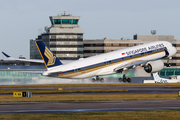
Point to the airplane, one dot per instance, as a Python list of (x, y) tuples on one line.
[(158, 79), (147, 55), (33, 60)]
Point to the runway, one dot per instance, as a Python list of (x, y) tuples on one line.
[(94, 106), (90, 106), (131, 89)]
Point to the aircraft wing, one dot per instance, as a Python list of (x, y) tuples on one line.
[(130, 65), (26, 60), (33, 60)]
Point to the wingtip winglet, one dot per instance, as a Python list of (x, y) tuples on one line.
[(6, 55)]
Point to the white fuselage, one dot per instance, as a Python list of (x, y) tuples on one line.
[(104, 64)]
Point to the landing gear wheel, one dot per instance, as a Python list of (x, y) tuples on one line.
[(102, 79), (129, 80), (97, 79), (124, 79), (120, 80), (168, 65), (93, 80)]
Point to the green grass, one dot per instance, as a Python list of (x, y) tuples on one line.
[(89, 85), (10, 91), (173, 87), (122, 115), (90, 97)]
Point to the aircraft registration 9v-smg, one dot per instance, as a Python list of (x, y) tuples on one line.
[(147, 55)]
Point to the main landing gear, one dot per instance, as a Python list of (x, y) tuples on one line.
[(168, 64), (124, 79), (97, 79)]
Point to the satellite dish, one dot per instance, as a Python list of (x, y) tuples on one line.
[(153, 32)]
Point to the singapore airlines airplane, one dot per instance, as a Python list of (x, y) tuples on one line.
[(157, 79), (147, 55)]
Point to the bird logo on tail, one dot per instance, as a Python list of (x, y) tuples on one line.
[(49, 55)]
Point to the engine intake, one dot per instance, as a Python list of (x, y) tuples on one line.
[(154, 66)]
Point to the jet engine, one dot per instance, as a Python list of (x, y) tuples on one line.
[(154, 66)]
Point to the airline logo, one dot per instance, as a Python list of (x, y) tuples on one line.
[(123, 53), (164, 81), (145, 49), (49, 55), (159, 79)]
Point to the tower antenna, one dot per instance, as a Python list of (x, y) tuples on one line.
[(64, 12)]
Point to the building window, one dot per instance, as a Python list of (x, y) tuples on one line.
[(66, 21), (75, 21), (107, 51), (52, 22), (66, 43), (57, 21), (178, 51), (66, 37), (107, 44)]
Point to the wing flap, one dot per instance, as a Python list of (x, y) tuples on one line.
[(132, 64), (129, 65)]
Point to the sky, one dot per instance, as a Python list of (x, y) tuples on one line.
[(22, 20)]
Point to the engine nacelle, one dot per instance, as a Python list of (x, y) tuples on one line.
[(154, 66)]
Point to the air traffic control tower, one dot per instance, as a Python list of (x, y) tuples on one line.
[(64, 38)]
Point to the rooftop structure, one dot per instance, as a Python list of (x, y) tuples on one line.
[(64, 38)]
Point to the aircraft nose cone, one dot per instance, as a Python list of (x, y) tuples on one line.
[(173, 51)]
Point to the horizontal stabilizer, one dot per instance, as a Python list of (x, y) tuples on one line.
[(5, 55)]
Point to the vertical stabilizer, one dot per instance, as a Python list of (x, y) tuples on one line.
[(156, 77), (50, 60)]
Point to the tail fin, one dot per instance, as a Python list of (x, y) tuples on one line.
[(50, 60), (156, 77), (6, 55)]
